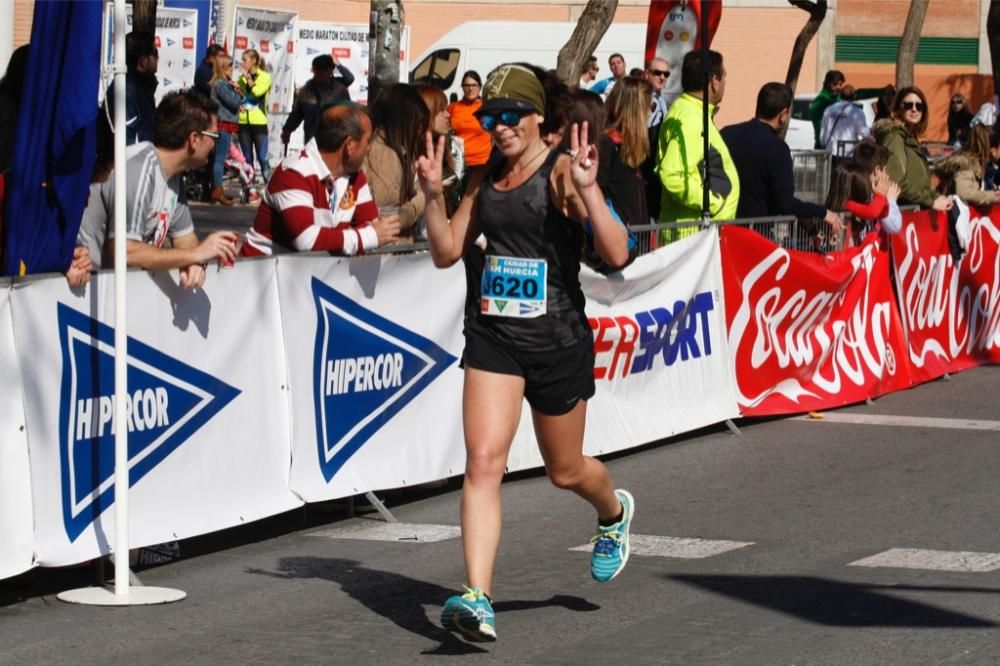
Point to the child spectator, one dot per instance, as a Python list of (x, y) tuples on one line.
[(867, 193)]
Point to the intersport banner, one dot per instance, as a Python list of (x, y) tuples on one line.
[(950, 311), (200, 363), (661, 355), (810, 331), (16, 530), (372, 347)]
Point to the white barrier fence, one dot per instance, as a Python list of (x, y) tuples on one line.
[(305, 378)]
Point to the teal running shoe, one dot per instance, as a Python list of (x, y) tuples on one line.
[(471, 615), (611, 547)]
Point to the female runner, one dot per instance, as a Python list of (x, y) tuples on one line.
[(530, 338)]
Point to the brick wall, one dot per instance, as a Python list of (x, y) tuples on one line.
[(945, 18)]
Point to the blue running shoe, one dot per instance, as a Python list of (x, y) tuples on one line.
[(611, 543), (471, 615)]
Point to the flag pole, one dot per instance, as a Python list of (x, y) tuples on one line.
[(703, 36), (124, 594)]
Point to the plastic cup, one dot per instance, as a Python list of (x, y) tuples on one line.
[(388, 211), (228, 263)]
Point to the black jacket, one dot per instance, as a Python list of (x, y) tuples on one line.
[(764, 164)]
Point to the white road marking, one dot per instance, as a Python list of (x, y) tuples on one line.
[(378, 531), (662, 546), (906, 421), (934, 560)]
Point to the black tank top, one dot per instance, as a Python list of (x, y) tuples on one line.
[(525, 223)]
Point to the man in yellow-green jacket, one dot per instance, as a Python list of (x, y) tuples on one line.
[(681, 150)]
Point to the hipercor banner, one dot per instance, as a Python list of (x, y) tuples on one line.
[(198, 363), (950, 310), (372, 346), (16, 524), (272, 34), (661, 358), (176, 41), (810, 331), (673, 28)]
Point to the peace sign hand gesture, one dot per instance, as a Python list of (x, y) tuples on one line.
[(429, 168), (583, 157)]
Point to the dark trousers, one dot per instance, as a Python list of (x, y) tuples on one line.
[(254, 137)]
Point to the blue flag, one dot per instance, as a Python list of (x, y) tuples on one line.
[(48, 182)]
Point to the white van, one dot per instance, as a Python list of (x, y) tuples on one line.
[(484, 45)]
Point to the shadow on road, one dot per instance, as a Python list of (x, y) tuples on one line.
[(839, 604), (401, 599)]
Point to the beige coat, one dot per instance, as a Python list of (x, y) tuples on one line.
[(384, 173), (966, 174)]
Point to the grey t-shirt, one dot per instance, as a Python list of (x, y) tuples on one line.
[(155, 207)]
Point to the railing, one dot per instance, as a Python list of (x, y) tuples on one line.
[(787, 231), (811, 172)]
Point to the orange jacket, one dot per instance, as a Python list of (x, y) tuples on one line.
[(477, 140)]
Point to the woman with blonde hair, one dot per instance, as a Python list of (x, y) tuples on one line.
[(227, 95), (963, 171), (255, 84)]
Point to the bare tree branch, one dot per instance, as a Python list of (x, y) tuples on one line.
[(593, 23), (907, 53), (817, 12)]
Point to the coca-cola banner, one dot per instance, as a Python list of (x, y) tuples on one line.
[(950, 310), (810, 331)]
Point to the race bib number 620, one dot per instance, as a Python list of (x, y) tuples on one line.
[(514, 287)]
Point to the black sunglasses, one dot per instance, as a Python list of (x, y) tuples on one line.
[(659, 72), (913, 106), (508, 117)]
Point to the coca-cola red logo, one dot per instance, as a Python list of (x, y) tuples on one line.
[(188, 42), (240, 41), (798, 339), (950, 311)]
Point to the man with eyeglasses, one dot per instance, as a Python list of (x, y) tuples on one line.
[(156, 208), (657, 71)]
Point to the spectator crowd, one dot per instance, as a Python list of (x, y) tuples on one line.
[(353, 186)]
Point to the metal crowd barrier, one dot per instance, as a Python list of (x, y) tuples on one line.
[(787, 231), (811, 172)]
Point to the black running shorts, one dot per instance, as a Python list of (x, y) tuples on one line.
[(554, 381)]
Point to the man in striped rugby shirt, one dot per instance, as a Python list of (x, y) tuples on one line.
[(319, 199)]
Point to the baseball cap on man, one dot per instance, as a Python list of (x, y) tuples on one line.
[(512, 87)]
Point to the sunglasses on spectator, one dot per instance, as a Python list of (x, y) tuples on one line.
[(508, 117), (659, 72), (912, 106)]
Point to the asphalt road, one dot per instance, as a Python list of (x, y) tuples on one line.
[(805, 498)]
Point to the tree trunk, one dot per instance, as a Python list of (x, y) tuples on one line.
[(593, 23), (384, 29), (993, 35), (907, 53), (144, 16), (817, 12)]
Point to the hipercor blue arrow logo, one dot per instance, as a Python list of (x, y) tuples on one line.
[(365, 369), (167, 402)]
